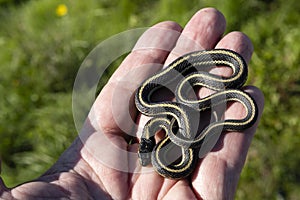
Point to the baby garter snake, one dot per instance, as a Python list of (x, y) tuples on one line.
[(180, 118)]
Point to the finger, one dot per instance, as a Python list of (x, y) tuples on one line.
[(241, 44), (203, 31), (114, 109), (240, 141), (222, 168), (237, 42), (224, 164)]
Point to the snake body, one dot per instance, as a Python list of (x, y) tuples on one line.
[(180, 118)]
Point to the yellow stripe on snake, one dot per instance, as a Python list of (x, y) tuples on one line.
[(179, 119)]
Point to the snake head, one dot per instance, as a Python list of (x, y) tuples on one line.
[(145, 149)]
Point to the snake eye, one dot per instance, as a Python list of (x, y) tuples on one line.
[(146, 145)]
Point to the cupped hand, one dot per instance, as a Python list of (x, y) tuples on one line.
[(102, 163)]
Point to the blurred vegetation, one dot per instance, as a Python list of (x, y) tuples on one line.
[(41, 50)]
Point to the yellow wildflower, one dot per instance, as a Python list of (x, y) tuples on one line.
[(61, 10)]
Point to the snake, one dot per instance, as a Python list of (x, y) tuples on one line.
[(175, 156)]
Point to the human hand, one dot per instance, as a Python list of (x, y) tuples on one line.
[(100, 163)]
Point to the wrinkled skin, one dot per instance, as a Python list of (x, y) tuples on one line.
[(79, 174)]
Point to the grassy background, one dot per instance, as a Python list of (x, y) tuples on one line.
[(40, 53)]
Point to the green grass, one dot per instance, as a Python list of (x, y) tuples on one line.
[(41, 52)]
